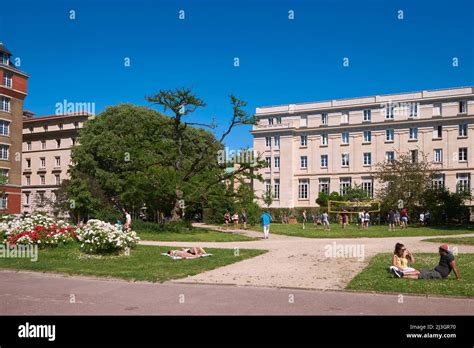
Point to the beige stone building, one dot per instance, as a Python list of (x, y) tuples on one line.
[(47, 142), (332, 145)]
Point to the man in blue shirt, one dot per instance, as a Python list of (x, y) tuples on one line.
[(265, 218)]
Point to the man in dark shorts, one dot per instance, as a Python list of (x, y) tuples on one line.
[(444, 268), (391, 220)]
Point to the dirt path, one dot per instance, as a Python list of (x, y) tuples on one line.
[(295, 262)]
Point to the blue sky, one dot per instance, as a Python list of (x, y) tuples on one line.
[(281, 61)]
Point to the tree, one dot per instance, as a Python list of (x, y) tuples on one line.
[(267, 197), (181, 103), (323, 198), (356, 193), (445, 206), (403, 181)]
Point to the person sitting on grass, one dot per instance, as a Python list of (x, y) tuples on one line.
[(446, 264), (400, 259), (188, 253)]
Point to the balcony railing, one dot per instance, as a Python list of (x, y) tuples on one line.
[(272, 126)]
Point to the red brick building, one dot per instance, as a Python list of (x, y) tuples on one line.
[(13, 91)]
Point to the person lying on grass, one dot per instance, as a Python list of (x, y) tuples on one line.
[(446, 264), (188, 253), (400, 259)]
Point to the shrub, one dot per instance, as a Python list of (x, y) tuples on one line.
[(101, 237), (171, 226)]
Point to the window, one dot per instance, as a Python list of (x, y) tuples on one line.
[(277, 141), (4, 174), (45, 128), (269, 161), (270, 122), (324, 185), (324, 161), (27, 198), (437, 109), (462, 131), (4, 58), (5, 104), (414, 133), (53, 196), (4, 151), (345, 138), (303, 162), (28, 180), (61, 126), (268, 141), (324, 139), (303, 140), (303, 188), (367, 136), (4, 127), (324, 119), (42, 179), (389, 135), (57, 179), (463, 182), (42, 162), (276, 189), (462, 154), (31, 129), (268, 186), (73, 140), (345, 159), (43, 144), (28, 163), (462, 107), (28, 145), (304, 121), (438, 155), (345, 117), (438, 181), (367, 115), (58, 161), (278, 119), (413, 109), (58, 143), (7, 79), (367, 158), (389, 115), (344, 185), (3, 201), (414, 156), (367, 186), (437, 132), (390, 156)]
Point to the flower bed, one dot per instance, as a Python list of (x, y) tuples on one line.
[(101, 237), (36, 229)]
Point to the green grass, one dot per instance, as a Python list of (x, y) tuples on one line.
[(194, 235), (144, 263), (376, 278), (451, 240), (352, 231)]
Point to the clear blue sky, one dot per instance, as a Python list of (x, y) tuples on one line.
[(281, 61)]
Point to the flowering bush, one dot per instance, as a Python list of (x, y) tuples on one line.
[(98, 236), (36, 229)]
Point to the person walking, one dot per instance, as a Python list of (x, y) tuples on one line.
[(404, 218), (391, 220), (235, 219), (326, 225), (227, 219), (344, 218), (265, 219), (128, 221), (366, 219), (243, 219), (305, 218)]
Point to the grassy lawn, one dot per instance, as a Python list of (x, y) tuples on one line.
[(352, 231), (455, 240), (144, 263), (376, 278), (195, 235)]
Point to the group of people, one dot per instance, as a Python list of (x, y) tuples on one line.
[(397, 218), (363, 219), (322, 219), (402, 258), (235, 218)]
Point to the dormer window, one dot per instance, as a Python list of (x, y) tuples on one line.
[(4, 58)]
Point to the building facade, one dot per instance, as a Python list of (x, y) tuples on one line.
[(47, 143), (13, 91), (332, 145)]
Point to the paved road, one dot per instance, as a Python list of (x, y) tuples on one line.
[(29, 293)]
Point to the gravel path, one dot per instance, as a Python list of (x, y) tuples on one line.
[(295, 262)]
